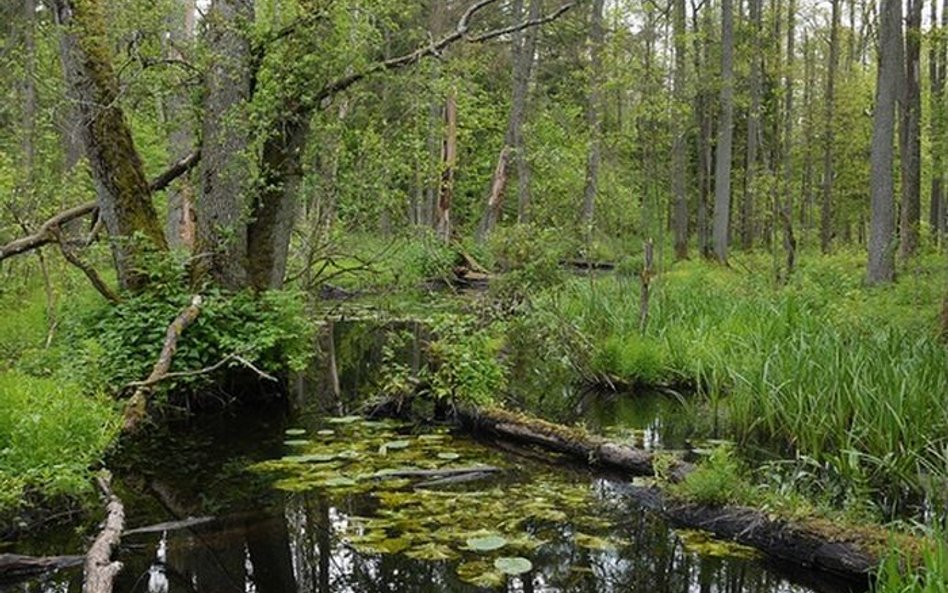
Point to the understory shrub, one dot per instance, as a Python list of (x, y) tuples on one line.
[(120, 343)]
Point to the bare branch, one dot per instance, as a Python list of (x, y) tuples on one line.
[(137, 407), (45, 235), (46, 232), (460, 33), (520, 26), (87, 269), (198, 372), (174, 171)]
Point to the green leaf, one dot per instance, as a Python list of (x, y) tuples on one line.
[(513, 565), (486, 543), (448, 456)]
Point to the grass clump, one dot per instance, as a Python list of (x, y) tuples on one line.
[(51, 432), (721, 479)]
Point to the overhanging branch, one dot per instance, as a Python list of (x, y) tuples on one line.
[(47, 232)]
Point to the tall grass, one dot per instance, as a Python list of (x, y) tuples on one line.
[(823, 366)]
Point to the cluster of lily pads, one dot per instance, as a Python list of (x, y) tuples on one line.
[(489, 526)]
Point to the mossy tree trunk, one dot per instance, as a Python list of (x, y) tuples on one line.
[(124, 198)]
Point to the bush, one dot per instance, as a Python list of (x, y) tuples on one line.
[(120, 343)]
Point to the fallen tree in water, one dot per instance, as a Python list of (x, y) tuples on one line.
[(853, 552), (100, 570)]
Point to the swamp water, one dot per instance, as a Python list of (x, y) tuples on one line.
[(314, 503)]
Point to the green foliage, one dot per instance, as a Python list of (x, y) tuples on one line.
[(530, 259), (51, 431), (123, 341), (719, 480), (464, 365), (898, 572)]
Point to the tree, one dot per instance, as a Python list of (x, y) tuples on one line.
[(679, 168), (829, 107), (910, 134), (722, 170), (262, 91), (881, 267), (594, 112)]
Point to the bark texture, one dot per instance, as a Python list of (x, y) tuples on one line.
[(829, 106), (910, 131), (124, 195), (226, 165), (679, 144), (881, 266), (594, 112), (722, 170)]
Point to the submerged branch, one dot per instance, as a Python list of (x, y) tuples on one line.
[(100, 570)]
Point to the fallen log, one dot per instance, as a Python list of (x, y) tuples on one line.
[(137, 407), (15, 567), (100, 570), (569, 441), (852, 552)]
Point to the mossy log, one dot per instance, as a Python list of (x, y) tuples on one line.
[(849, 552), (569, 441)]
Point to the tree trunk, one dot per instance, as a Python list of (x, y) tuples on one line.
[(806, 207), (910, 135), (829, 106), (679, 145), (753, 129), (938, 68), (525, 59), (179, 223), (449, 156), (274, 209), (594, 113), (29, 90), (226, 164), (789, 241), (705, 126), (881, 266), (124, 196), (722, 170), (513, 139)]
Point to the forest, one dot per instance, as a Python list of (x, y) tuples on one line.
[(474, 295)]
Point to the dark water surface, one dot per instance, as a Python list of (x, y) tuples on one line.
[(304, 505)]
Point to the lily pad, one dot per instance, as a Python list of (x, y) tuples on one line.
[(326, 432), (296, 442), (486, 543), (396, 444), (314, 458), (295, 432), (343, 419), (448, 456), (513, 565)]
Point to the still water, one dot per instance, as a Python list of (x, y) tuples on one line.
[(301, 503)]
